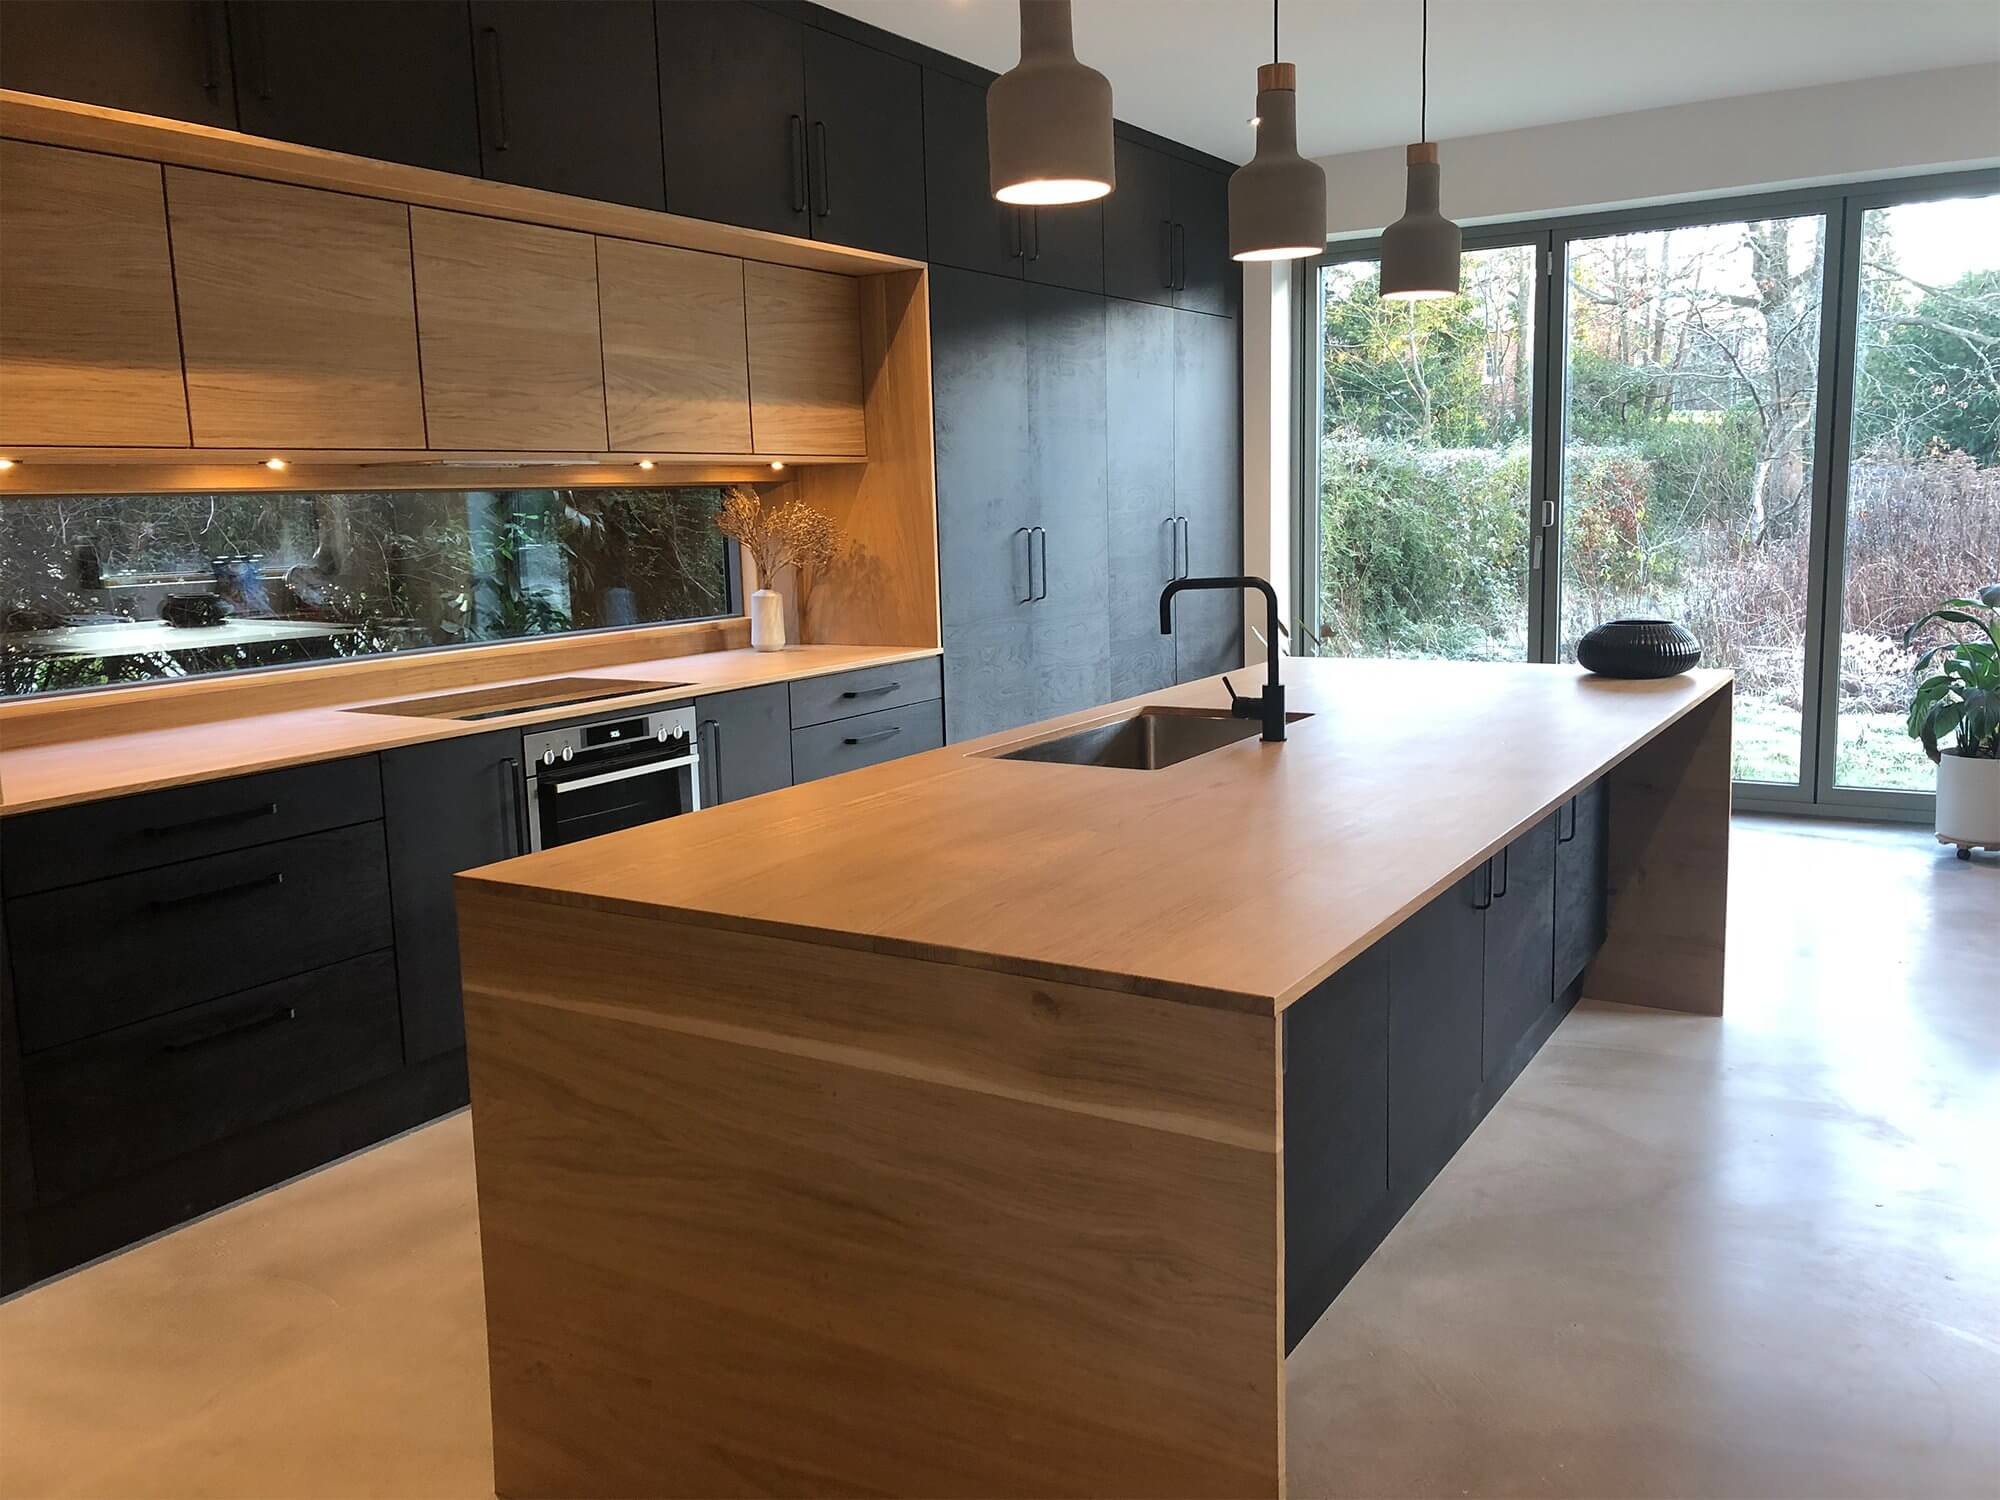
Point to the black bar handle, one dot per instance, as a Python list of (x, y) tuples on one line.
[(874, 692), (1180, 257), (1506, 862), (1016, 239), (517, 796), (218, 893), (1486, 887), (1561, 837), (262, 1022), (798, 128), (490, 39), (1043, 534), (1035, 222), (213, 820), (260, 56), (873, 739), (1029, 533), (709, 732), (1187, 549), (1167, 253), (825, 204), (210, 76)]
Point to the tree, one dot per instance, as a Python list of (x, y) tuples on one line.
[(1929, 365)]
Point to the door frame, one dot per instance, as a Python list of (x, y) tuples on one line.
[(1842, 207)]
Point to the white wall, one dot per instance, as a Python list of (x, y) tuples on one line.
[(1875, 127)]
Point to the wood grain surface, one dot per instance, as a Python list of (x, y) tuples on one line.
[(507, 317), (676, 352), (89, 340), (297, 315), (805, 360), (761, 1217)]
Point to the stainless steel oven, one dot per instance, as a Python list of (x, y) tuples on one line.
[(597, 777)]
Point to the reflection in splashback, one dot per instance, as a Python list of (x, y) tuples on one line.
[(104, 589)]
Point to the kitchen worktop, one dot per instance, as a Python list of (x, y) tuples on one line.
[(1238, 879), (33, 777)]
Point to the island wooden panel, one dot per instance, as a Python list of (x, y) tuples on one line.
[(507, 317), (297, 315), (676, 351), (763, 1218), (805, 360), (89, 343)]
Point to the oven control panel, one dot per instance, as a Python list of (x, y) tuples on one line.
[(672, 729)]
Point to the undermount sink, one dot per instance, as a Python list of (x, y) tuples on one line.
[(1149, 740)]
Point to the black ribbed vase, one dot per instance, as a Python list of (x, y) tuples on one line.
[(1638, 648)]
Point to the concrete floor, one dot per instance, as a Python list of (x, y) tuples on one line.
[(1759, 1257)]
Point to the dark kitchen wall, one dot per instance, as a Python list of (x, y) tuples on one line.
[(1088, 415)]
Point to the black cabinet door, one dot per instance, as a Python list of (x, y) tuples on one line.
[(1064, 245), (1436, 979), (1583, 841), (1208, 492), (733, 113), (1206, 279), (1520, 945), (159, 57), (1145, 537), (746, 743), (865, 146), (388, 81), (1336, 1047), (448, 806), (967, 226), (569, 97), (1139, 258)]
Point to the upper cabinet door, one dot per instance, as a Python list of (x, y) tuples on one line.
[(159, 57), (865, 148), (569, 97), (733, 113), (1065, 245), (508, 314), (388, 81), (676, 355), (968, 226), (805, 360), (1206, 279), (297, 315), (1139, 250), (89, 350)]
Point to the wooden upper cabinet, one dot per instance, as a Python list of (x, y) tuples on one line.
[(508, 314), (89, 353), (676, 354), (297, 316), (805, 360)]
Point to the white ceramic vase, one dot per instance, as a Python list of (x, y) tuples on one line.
[(1968, 799), (767, 620)]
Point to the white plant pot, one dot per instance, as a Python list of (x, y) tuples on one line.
[(767, 620), (1968, 799)]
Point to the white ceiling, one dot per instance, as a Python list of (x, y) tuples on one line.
[(1187, 68)]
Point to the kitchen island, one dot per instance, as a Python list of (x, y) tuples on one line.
[(979, 1124)]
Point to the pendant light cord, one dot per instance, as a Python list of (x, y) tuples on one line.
[(1274, 30), (1423, 78)]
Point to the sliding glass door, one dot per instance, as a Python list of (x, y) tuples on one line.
[(1775, 420)]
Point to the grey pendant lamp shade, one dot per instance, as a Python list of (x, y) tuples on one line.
[(1048, 120), (1277, 199), (1420, 251)]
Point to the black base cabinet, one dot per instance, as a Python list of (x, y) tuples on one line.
[(746, 743), (1583, 842), (1437, 989), (1520, 944)]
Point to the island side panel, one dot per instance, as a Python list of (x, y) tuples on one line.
[(768, 1217), (1669, 868)]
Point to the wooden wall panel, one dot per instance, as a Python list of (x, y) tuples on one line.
[(676, 351), (89, 346), (507, 316), (805, 360), (762, 1217), (297, 315)]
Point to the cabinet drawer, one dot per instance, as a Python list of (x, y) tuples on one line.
[(847, 744), (91, 957), (816, 700), (142, 1094), (68, 845)]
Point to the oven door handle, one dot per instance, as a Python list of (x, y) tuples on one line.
[(650, 768)]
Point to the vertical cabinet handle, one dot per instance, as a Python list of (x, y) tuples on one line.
[(260, 55), (1505, 861), (1187, 549), (1485, 897), (209, 76), (1035, 224), (1029, 533), (1180, 257), (1014, 218), (1167, 254), (496, 65), (1043, 537), (798, 130), (823, 195), (1561, 837), (709, 733), (1173, 548), (516, 796)]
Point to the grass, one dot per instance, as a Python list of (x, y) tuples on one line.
[(1874, 750)]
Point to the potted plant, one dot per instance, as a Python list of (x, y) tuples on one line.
[(1961, 698)]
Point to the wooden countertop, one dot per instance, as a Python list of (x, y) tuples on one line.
[(42, 776), (1238, 879)]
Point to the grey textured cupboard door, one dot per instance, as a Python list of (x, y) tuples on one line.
[(1144, 549), (1066, 447), (746, 742), (1208, 490), (979, 380)]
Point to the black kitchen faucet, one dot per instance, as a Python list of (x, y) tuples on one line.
[(1270, 707)]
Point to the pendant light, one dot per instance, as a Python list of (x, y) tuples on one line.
[(1048, 120), (1420, 250), (1277, 199)]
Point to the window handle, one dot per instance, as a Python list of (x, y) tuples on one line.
[(497, 66)]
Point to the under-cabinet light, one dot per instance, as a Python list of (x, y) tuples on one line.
[(276, 464), (647, 463)]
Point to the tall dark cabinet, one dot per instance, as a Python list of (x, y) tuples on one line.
[(569, 97), (1166, 233), (393, 82), (159, 57)]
